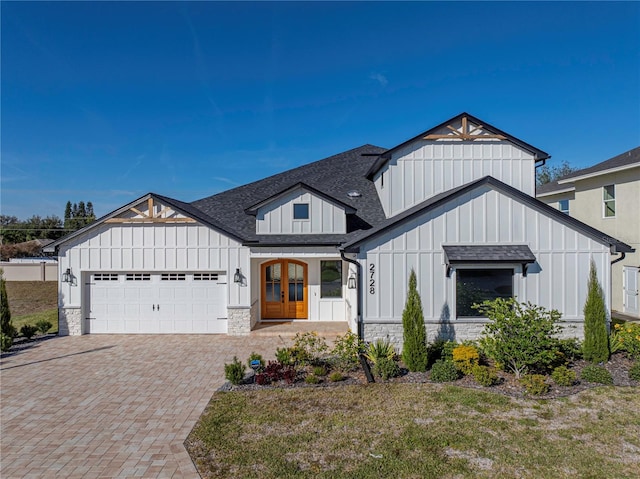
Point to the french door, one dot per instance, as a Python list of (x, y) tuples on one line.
[(284, 289)]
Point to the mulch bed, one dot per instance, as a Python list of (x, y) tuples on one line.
[(618, 366)]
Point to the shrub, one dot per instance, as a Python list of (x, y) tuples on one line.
[(311, 379), (563, 376), (43, 326), (336, 376), (274, 370), (386, 368), (308, 347), (255, 357), (444, 371), (380, 349), (571, 349), (535, 384), (465, 358), (234, 372), (441, 349), (484, 375), (595, 347), (596, 374), (520, 337), (5, 342), (284, 356), (289, 375), (634, 371), (626, 337), (28, 331), (320, 370), (6, 327), (414, 348), (346, 351), (262, 379)]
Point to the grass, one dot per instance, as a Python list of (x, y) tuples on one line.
[(417, 431), (30, 301)]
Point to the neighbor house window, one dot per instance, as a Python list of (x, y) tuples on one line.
[(477, 285), (609, 200), (301, 211), (563, 205), (331, 279)]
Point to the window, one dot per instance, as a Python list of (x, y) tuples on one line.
[(138, 277), (173, 277), (563, 205), (477, 285), (331, 279), (301, 211), (105, 277), (609, 201), (205, 276)]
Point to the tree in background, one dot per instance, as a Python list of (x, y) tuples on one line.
[(546, 174), (414, 348), (14, 231), (596, 342), (78, 215)]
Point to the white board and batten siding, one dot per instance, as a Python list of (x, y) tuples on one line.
[(324, 216), (424, 169), (485, 216), (152, 248)]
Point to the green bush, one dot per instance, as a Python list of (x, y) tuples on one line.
[(595, 347), (5, 342), (312, 379), (520, 337), (28, 331), (634, 371), (386, 368), (535, 384), (336, 376), (255, 357), (319, 370), (6, 327), (284, 356), (563, 376), (43, 326), (571, 349), (308, 347), (441, 349), (380, 349), (414, 348), (596, 374), (444, 371), (346, 352), (484, 375), (234, 372)]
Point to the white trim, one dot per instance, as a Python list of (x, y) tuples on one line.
[(556, 192), (599, 173)]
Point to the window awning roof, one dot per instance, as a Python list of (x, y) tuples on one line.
[(488, 254)]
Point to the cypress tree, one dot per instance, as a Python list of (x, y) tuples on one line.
[(596, 341), (67, 215), (414, 349), (5, 313)]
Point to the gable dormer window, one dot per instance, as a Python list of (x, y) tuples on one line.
[(301, 211)]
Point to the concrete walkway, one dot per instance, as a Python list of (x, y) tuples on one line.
[(101, 406)]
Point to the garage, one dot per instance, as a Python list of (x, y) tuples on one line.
[(156, 303)]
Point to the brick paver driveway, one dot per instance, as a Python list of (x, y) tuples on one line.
[(110, 406)]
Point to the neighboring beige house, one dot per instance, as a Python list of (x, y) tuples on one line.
[(607, 197)]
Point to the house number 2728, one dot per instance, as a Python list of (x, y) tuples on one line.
[(372, 278)]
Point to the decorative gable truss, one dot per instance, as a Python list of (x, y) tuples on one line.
[(464, 128), (150, 211)]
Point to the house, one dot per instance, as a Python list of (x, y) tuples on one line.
[(607, 197), (335, 240)]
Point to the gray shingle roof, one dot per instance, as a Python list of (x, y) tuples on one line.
[(511, 253), (334, 176)]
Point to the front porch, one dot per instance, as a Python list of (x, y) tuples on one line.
[(327, 329)]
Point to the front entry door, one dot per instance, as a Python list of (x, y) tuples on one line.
[(630, 292), (284, 289)]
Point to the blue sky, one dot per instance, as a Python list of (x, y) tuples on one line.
[(105, 101)]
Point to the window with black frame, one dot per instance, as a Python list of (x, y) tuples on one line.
[(331, 279), (478, 285)]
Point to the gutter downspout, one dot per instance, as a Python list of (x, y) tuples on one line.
[(621, 258), (358, 293)]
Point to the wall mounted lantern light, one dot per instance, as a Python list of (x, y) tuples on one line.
[(351, 282), (66, 276), (237, 277)]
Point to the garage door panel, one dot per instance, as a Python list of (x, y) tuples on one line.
[(150, 303)]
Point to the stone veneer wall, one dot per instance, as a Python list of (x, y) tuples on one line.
[(458, 331), (70, 322), (239, 320)]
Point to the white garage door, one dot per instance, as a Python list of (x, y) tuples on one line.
[(157, 303)]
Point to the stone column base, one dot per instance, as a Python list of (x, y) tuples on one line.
[(238, 320), (70, 322)]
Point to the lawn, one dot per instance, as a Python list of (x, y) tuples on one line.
[(417, 431), (30, 301)]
